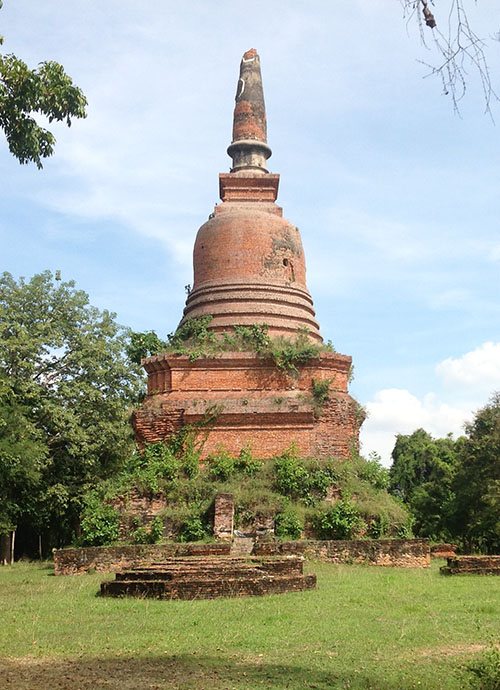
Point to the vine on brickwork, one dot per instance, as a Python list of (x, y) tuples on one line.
[(320, 393), (195, 339)]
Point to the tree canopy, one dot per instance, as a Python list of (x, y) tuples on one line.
[(421, 476), (452, 487), (477, 482), (66, 386), (46, 90)]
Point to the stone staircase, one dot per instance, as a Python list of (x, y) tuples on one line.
[(209, 578), (477, 565)]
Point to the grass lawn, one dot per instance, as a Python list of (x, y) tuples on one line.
[(363, 627)]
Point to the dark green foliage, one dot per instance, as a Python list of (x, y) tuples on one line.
[(23, 457), (287, 487), (485, 670), (46, 90), (289, 354), (161, 462), (247, 463), (99, 525), (341, 521), (308, 482), (221, 465), (66, 386), (194, 331), (292, 477), (422, 475), (374, 472), (191, 465), (288, 525), (379, 527), (193, 529), (476, 484), (321, 390), (405, 530), (151, 535)]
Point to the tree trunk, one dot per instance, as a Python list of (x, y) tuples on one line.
[(40, 555), (6, 549)]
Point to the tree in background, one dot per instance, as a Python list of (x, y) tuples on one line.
[(476, 507), (22, 460), (66, 386), (46, 90), (422, 476)]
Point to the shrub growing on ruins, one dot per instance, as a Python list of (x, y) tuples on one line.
[(247, 463), (321, 391), (288, 524), (301, 480), (195, 339), (287, 487), (99, 525), (193, 529), (292, 477), (145, 535), (155, 466), (379, 527), (341, 521), (221, 464)]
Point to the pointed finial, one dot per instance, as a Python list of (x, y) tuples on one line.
[(249, 149)]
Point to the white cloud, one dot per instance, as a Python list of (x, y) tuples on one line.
[(397, 411), (478, 370), (468, 381)]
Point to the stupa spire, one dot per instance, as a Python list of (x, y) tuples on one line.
[(249, 149), (250, 270)]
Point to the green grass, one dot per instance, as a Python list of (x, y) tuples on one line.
[(363, 627)]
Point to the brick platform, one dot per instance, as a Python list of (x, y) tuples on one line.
[(473, 565), (260, 405), (202, 578)]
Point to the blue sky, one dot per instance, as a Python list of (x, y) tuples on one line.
[(396, 196)]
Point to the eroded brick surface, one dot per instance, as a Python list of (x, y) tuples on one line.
[(259, 405), (223, 516), (107, 559), (404, 553), (208, 579), (473, 565)]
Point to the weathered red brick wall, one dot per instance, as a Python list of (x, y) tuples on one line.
[(404, 553), (107, 559), (260, 406), (136, 505)]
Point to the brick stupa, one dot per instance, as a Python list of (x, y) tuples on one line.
[(249, 268)]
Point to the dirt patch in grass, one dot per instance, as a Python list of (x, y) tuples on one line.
[(451, 650), (159, 673)]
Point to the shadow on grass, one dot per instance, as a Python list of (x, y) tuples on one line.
[(183, 671)]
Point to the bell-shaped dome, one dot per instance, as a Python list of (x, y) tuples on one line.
[(249, 265)]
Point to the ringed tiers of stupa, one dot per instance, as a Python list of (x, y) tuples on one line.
[(249, 268)]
